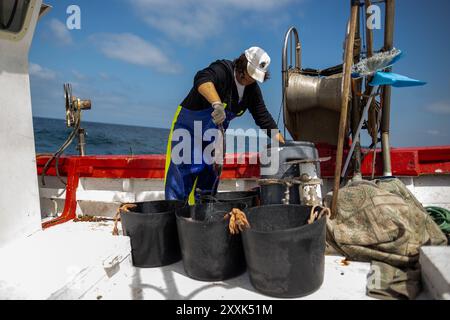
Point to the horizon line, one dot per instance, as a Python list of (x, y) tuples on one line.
[(111, 123)]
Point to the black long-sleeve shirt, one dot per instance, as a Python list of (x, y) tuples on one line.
[(221, 73)]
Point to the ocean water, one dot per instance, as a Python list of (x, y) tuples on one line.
[(114, 139), (101, 139)]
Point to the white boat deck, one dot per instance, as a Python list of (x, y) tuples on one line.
[(435, 262), (63, 262), (171, 282), (84, 261)]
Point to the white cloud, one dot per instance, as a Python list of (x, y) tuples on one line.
[(433, 132), (194, 20), (104, 76), (78, 75), (436, 133), (60, 32), (255, 5), (107, 101), (442, 107), (40, 72), (132, 49)]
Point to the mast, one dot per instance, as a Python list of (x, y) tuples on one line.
[(346, 82), (386, 97), (356, 100)]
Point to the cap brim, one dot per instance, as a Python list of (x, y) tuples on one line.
[(255, 73)]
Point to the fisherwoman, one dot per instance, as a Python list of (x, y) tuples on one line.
[(221, 92)]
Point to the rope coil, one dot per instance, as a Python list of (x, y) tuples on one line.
[(442, 218)]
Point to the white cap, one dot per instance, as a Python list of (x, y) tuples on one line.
[(258, 63)]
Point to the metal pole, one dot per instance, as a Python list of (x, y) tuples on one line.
[(284, 66), (346, 80), (385, 122), (356, 142), (369, 44), (356, 100), (284, 53), (369, 32), (82, 142)]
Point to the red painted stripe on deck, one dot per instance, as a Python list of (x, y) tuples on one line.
[(405, 162)]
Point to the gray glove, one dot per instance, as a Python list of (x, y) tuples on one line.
[(218, 114)]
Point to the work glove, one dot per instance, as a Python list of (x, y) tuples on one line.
[(218, 114), (280, 138)]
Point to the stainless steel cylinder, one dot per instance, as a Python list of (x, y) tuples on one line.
[(305, 92)]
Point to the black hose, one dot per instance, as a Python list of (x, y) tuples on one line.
[(219, 166), (56, 156)]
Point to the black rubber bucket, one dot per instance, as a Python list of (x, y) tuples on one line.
[(209, 251), (250, 198), (275, 193), (152, 229), (285, 256)]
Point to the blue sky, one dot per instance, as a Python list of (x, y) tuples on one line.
[(136, 58)]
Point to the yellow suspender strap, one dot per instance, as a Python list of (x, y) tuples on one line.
[(169, 144), (192, 194)]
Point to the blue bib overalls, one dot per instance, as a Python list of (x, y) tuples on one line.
[(181, 180)]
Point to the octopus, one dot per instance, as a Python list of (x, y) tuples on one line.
[(125, 207), (238, 221)]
